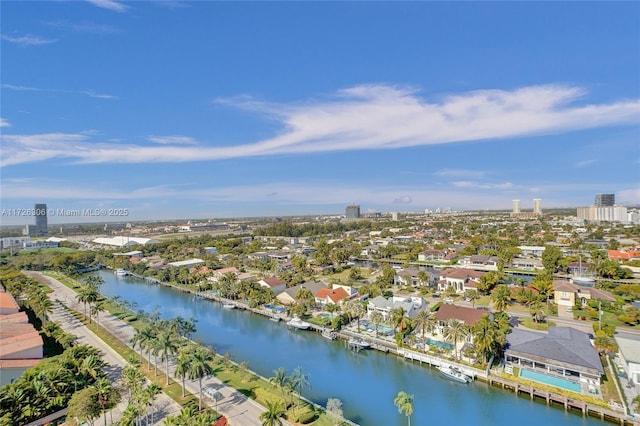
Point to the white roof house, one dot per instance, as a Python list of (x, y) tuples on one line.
[(188, 262), (124, 241), (629, 354)]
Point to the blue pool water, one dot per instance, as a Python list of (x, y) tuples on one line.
[(325, 315), (443, 345), (550, 380)]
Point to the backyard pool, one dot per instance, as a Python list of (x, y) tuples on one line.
[(550, 380), (443, 345)]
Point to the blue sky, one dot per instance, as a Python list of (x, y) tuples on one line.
[(220, 109)]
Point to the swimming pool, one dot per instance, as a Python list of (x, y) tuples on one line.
[(550, 380), (443, 345), (325, 315)]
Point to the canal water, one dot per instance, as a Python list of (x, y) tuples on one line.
[(366, 382)]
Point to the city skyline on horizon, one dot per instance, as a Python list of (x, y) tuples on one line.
[(221, 110), (90, 216)]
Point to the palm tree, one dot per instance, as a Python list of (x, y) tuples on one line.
[(167, 346), (473, 295), (398, 318), (280, 380), (199, 368), (299, 379), (132, 379), (332, 308), (143, 338), (455, 331), (97, 308), (355, 310), (423, 322), (376, 318), (108, 396), (484, 337), (501, 297), (404, 402), (271, 417), (183, 362)]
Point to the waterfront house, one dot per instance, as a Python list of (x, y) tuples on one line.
[(563, 352), (628, 356), (566, 294), (467, 316), (411, 305), (409, 277), (331, 296), (288, 296), (431, 255), (275, 284), (461, 279), (527, 263), (217, 274)]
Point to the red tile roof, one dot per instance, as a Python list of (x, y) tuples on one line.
[(461, 273), (8, 302), (335, 295), (468, 316), (274, 282)]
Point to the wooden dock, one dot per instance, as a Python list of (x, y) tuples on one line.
[(569, 404)]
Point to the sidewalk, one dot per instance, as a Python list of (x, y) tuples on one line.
[(163, 406), (236, 407)]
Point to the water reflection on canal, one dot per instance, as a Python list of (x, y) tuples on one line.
[(366, 382)]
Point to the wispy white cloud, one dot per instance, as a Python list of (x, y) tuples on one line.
[(20, 88), (585, 163), (481, 185), (460, 173), (375, 117), (84, 27), (28, 40), (109, 4), (93, 94), (90, 93), (4, 123), (172, 140)]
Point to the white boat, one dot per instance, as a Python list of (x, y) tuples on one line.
[(581, 279), (454, 374), (359, 343), (298, 323), (275, 319), (329, 334), (121, 272), (229, 306)]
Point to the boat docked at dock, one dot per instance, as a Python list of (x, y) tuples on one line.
[(329, 334), (275, 319), (359, 343), (229, 305), (121, 272), (454, 374), (298, 323)]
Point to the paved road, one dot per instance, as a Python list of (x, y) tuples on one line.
[(163, 406), (236, 407)]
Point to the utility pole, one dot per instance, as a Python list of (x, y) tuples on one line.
[(599, 315)]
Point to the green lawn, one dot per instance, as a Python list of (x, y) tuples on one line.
[(540, 326)]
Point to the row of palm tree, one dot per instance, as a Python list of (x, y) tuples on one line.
[(89, 293), (140, 396), (296, 381)]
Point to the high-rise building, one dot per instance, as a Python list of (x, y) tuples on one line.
[(536, 206), (42, 227), (603, 200), (352, 212), (516, 206)]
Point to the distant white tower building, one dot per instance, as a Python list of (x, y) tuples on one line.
[(536, 206), (516, 206)]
